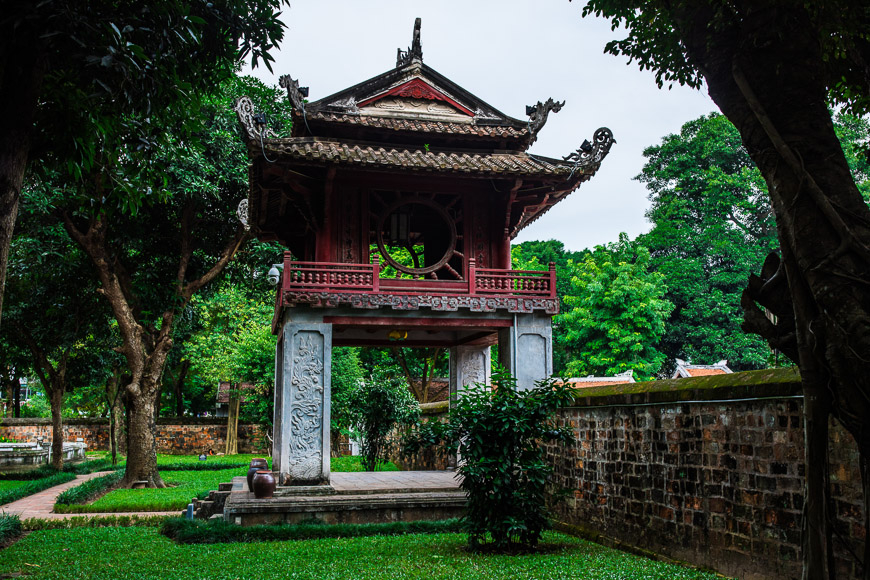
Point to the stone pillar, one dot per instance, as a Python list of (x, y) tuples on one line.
[(468, 365), (300, 451), (526, 348)]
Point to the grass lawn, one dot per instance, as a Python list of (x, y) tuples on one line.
[(11, 484), (133, 553), (184, 485)]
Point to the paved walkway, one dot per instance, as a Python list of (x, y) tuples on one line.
[(368, 481), (40, 505)]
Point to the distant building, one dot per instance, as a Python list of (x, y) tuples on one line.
[(591, 381), (222, 408), (685, 369)]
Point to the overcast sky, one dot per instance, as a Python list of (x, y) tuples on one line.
[(510, 53)]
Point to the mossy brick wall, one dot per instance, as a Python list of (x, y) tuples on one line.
[(182, 437), (707, 470)]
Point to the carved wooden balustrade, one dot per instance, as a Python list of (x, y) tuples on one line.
[(332, 277)]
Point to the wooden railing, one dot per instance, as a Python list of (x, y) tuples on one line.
[(365, 278), (535, 283)]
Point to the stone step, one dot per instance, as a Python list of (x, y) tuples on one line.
[(225, 486), (244, 509)]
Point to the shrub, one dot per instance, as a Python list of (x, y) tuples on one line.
[(10, 527), (501, 458)]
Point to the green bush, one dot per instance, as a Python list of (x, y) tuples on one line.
[(500, 432), (34, 486), (10, 527), (86, 491), (186, 531)]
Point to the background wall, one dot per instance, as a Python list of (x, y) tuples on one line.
[(709, 470), (174, 436)]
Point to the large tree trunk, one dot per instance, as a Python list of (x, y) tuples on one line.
[(822, 221), (21, 72), (141, 441), (55, 395), (233, 421)]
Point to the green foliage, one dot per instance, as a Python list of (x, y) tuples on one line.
[(33, 486), (120, 73), (347, 378), (185, 531), (10, 527), (234, 343), (36, 406), (500, 432), (93, 554), (614, 313), (712, 228), (379, 405), (86, 491)]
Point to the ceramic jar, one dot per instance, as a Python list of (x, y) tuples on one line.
[(264, 484), (256, 464)]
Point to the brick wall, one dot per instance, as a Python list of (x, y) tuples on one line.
[(707, 470), (431, 458), (181, 437)]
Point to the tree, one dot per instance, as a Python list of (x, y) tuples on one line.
[(380, 404), (772, 67), (614, 313), (54, 313), (712, 228), (150, 265), (74, 74)]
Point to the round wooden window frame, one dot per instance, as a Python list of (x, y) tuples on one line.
[(451, 224)]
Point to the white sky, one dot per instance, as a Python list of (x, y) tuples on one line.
[(510, 53)]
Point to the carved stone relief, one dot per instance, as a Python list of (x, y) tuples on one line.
[(413, 106), (306, 407)]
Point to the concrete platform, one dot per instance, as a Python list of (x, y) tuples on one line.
[(368, 497)]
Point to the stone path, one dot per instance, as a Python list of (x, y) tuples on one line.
[(368, 481), (40, 505)]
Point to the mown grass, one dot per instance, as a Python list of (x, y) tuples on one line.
[(183, 486), (354, 463), (186, 476), (186, 531), (142, 553)]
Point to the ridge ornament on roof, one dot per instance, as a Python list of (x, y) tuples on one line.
[(538, 115), (295, 93), (415, 53), (590, 154)]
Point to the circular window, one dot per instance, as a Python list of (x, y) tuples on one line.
[(416, 236)]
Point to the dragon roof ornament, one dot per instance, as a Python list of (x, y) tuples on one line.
[(415, 53), (253, 123), (295, 93), (590, 154), (538, 115)]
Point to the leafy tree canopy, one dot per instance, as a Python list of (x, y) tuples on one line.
[(615, 313)]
